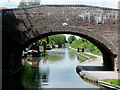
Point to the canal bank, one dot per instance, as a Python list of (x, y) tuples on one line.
[(93, 70)]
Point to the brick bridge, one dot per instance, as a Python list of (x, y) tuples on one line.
[(23, 26)]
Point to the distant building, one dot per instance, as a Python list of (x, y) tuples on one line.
[(3, 8), (67, 44)]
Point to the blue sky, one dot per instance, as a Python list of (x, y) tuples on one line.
[(101, 3)]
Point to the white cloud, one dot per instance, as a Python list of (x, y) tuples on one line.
[(78, 1), (9, 3), (102, 3), (68, 35)]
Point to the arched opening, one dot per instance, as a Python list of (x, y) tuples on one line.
[(108, 56), (18, 25), (21, 32)]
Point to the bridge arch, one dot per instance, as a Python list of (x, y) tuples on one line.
[(107, 49), (22, 26)]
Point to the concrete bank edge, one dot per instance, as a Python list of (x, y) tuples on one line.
[(80, 71), (95, 79)]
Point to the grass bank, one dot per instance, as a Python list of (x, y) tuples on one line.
[(90, 56), (87, 45), (115, 82)]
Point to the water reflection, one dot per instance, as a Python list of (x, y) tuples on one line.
[(35, 72), (71, 55), (31, 61), (57, 69), (30, 77), (80, 59), (56, 55), (44, 70)]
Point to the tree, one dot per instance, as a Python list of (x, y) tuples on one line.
[(22, 4), (71, 39), (59, 39), (44, 43), (28, 3), (47, 39), (38, 42)]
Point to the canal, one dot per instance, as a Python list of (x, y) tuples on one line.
[(57, 69)]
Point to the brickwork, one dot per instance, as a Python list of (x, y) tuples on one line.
[(99, 25)]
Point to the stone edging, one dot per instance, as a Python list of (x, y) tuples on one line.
[(108, 85), (86, 57), (80, 71), (81, 55)]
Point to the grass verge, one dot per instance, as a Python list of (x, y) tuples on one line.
[(97, 53), (90, 56), (115, 82)]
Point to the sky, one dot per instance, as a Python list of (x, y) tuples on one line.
[(100, 3)]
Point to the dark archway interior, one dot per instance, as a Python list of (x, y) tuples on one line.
[(108, 57)]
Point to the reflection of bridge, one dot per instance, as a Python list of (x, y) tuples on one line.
[(23, 26)]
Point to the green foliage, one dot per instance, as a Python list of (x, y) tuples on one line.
[(79, 43), (38, 42), (47, 39), (29, 3), (44, 43), (71, 39), (59, 39), (22, 4), (115, 82), (90, 56), (88, 46), (81, 59)]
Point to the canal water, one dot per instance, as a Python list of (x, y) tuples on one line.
[(57, 69)]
